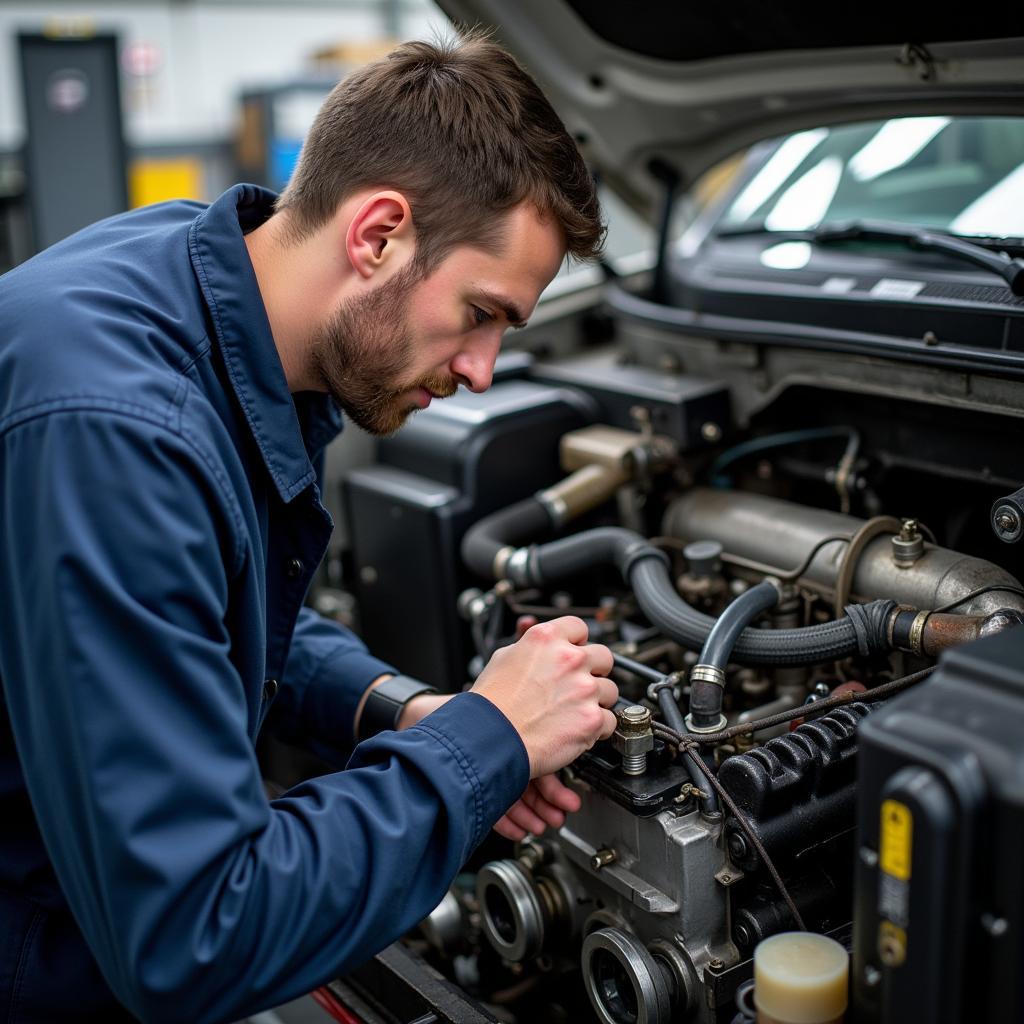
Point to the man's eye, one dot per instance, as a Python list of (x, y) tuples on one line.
[(481, 316)]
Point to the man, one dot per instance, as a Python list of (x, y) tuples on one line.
[(168, 379)]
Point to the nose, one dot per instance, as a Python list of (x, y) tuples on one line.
[(474, 364)]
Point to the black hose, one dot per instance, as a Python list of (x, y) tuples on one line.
[(707, 683), (646, 570), (694, 759), (731, 623), (523, 521)]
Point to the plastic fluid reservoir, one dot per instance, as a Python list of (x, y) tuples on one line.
[(800, 978)]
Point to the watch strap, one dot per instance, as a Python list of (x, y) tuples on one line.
[(385, 702)]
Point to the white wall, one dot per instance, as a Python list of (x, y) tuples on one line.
[(208, 53)]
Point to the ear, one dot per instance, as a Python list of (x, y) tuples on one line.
[(380, 234)]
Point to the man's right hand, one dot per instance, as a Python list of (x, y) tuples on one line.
[(552, 686)]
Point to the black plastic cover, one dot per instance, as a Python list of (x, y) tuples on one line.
[(939, 905)]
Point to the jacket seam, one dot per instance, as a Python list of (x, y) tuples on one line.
[(464, 763), (140, 414), (19, 976)]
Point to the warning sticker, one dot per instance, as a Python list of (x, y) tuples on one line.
[(897, 830)]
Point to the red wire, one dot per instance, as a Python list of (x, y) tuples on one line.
[(328, 1001)]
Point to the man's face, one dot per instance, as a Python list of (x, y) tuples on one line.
[(389, 351)]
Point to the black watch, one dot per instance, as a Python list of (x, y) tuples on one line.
[(385, 702)]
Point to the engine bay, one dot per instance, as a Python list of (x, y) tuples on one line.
[(775, 542)]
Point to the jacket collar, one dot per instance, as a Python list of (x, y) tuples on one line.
[(228, 282)]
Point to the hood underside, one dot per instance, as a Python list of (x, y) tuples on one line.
[(665, 85)]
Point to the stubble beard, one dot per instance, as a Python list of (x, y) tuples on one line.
[(364, 356)]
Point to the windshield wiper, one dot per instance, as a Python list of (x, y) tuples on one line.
[(1010, 269)]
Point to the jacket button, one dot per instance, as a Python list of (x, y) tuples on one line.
[(294, 567), (270, 687)]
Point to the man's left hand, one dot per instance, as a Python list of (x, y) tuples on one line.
[(545, 803)]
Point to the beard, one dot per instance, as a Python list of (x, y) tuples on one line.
[(365, 353)]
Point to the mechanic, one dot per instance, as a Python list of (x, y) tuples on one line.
[(169, 378)]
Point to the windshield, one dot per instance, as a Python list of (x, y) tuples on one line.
[(964, 175)]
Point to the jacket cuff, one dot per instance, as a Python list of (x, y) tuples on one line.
[(489, 751)]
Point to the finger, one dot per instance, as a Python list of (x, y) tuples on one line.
[(521, 815), (505, 828), (599, 659), (607, 693), (557, 793), (610, 724), (567, 627), (553, 816)]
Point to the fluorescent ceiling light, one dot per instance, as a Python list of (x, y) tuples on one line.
[(896, 143), (783, 162)]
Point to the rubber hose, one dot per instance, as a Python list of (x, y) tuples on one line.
[(694, 761), (731, 623), (524, 521), (805, 646), (705, 694), (646, 572)]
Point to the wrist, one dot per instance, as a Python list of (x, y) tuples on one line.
[(419, 707), (386, 701)]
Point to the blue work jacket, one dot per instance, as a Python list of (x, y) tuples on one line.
[(160, 525)]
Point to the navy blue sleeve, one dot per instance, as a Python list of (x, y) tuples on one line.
[(201, 900), (328, 671)]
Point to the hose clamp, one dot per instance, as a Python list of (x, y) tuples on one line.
[(555, 506), (668, 682), (517, 567), (707, 674), (917, 632), (891, 625), (500, 564)]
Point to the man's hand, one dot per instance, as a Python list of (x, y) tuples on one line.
[(551, 686), (544, 804)]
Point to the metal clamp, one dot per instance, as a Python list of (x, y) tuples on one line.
[(707, 674), (917, 631), (669, 681)]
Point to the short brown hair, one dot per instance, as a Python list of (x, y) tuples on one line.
[(459, 128)]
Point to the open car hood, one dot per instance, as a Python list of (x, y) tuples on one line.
[(666, 88)]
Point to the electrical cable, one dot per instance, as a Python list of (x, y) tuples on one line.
[(330, 1003), (771, 441), (801, 711), (755, 842)]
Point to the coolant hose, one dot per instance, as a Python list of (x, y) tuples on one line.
[(646, 570), (731, 623), (487, 549), (500, 532), (707, 679)]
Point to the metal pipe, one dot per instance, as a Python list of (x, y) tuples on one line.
[(781, 533)]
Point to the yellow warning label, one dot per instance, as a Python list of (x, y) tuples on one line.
[(896, 839)]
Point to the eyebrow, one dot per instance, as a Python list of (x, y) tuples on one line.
[(512, 312)]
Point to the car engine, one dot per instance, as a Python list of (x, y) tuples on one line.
[(774, 541)]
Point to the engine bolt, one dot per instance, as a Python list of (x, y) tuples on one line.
[(603, 858), (1007, 521), (634, 720), (633, 738), (908, 545), (737, 846)]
